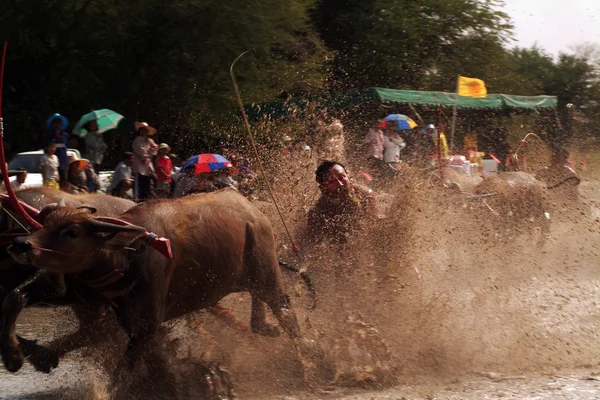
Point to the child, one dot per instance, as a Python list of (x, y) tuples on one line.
[(164, 167), (49, 166)]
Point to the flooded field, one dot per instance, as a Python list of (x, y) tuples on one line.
[(439, 302)]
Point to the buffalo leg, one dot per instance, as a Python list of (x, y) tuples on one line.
[(279, 303), (258, 321), (42, 285)]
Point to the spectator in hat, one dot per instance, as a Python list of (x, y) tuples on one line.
[(163, 167), (57, 124), (81, 175), (94, 145), (144, 149)]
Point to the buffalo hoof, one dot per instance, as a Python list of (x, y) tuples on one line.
[(43, 359), (13, 358), (266, 330)]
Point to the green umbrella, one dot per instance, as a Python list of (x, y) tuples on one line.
[(105, 118)]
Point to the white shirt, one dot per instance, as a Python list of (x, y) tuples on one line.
[(18, 186), (49, 167), (392, 144), (123, 171)]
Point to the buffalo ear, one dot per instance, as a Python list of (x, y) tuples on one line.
[(116, 236), (92, 210), (61, 203)]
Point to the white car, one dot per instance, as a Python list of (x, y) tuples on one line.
[(30, 161)]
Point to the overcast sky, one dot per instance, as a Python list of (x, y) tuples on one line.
[(554, 24)]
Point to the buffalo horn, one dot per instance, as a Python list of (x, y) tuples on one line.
[(46, 210), (105, 227)]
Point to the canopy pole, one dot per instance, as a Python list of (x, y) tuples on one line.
[(264, 175), (454, 115), (439, 144), (14, 202)]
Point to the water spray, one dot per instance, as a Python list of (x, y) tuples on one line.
[(264, 175)]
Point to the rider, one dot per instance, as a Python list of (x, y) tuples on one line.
[(343, 206)]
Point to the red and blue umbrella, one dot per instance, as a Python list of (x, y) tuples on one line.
[(403, 122), (206, 163)]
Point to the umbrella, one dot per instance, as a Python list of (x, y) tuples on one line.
[(402, 120), (65, 122), (106, 119), (206, 163)]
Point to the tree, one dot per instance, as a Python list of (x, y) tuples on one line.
[(408, 44), (164, 62)]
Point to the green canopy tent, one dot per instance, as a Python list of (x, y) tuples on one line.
[(343, 100)]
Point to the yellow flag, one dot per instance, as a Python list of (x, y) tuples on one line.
[(471, 87)]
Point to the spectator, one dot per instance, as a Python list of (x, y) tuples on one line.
[(334, 142), (144, 149), (373, 142), (81, 175), (392, 145), (94, 145), (164, 170), (188, 183), (49, 167), (19, 182), (57, 124), (122, 178), (342, 207)]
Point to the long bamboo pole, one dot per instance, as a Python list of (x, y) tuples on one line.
[(262, 170)]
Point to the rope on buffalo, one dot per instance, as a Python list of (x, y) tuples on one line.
[(262, 170), (16, 220)]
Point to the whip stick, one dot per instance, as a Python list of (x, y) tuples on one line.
[(262, 170), (13, 201)]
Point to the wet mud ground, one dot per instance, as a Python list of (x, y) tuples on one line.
[(459, 307)]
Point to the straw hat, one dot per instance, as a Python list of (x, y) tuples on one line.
[(82, 163), (140, 125), (164, 146)]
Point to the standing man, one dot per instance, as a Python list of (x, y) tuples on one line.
[(57, 124), (144, 149), (164, 170), (122, 179), (94, 145)]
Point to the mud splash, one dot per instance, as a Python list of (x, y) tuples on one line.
[(435, 291)]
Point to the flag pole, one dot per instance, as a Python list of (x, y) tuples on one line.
[(454, 115)]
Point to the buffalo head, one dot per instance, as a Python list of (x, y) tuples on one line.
[(71, 240)]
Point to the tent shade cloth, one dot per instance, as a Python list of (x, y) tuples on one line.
[(356, 97)]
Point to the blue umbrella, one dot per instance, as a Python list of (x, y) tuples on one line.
[(403, 122), (65, 122)]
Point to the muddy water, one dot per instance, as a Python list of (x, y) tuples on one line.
[(465, 311)]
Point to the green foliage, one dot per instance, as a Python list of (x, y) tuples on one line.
[(410, 44), (168, 62), (164, 62)]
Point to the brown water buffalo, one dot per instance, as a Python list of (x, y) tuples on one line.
[(220, 242), (22, 286), (518, 198)]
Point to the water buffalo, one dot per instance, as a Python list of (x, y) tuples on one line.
[(220, 242), (518, 198), (22, 286)]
